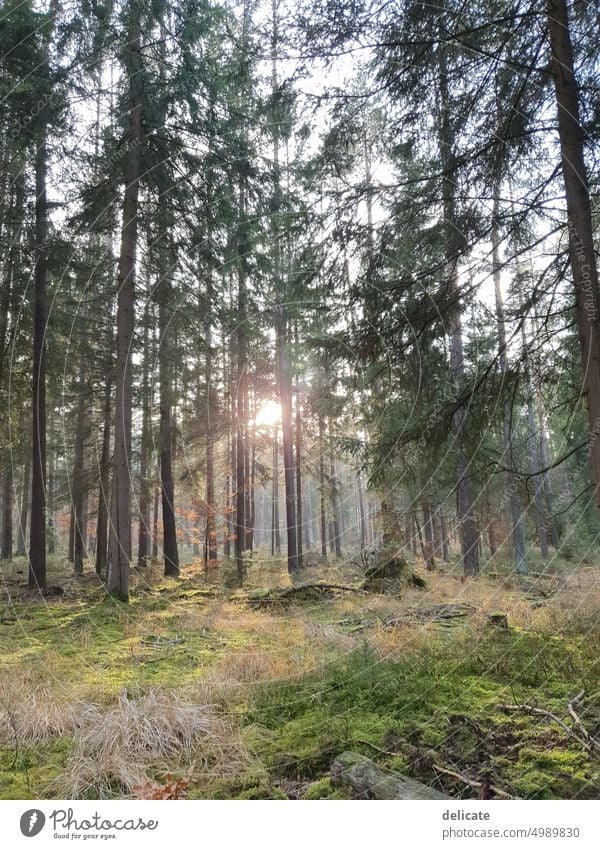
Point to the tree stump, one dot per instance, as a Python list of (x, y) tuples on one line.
[(498, 620)]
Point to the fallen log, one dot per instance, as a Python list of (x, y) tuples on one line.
[(367, 780)]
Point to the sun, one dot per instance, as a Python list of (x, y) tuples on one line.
[(268, 414)]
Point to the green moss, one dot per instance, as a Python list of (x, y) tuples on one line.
[(554, 773), (322, 789), (30, 773), (444, 700)]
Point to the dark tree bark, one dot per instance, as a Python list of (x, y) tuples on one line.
[(104, 482), (7, 510), (24, 511), (241, 391), (210, 549), (145, 446), (444, 530), (581, 240), (299, 520), (335, 498), (170, 550), (512, 487), (429, 538), (468, 530), (534, 455), (37, 527), (78, 482), (155, 523), (322, 495), (119, 546), (275, 531), (362, 525), (284, 381), (51, 488)]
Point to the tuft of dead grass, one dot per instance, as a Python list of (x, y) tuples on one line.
[(118, 748), (30, 712)]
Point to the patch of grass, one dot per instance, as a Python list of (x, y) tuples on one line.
[(31, 772)]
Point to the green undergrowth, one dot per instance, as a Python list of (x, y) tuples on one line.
[(435, 705), (30, 771), (438, 708)]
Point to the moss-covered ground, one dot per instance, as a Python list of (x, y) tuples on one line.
[(295, 686)]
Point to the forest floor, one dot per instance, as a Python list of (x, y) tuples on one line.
[(236, 697)]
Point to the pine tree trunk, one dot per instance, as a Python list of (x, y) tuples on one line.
[(104, 483), (275, 532), (361, 512), (468, 530), (323, 507), (512, 484), (119, 545), (77, 486), (428, 532), (299, 520), (37, 526), (444, 530), (534, 456), (241, 393), (170, 550), (284, 383), (335, 496), (24, 511), (211, 552), (145, 445), (7, 509), (581, 240), (155, 523)]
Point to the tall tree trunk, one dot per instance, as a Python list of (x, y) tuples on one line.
[(444, 531), (155, 523), (170, 550), (534, 456), (287, 430), (251, 503), (299, 520), (241, 390), (37, 527), (211, 553), (581, 240), (335, 498), (275, 532), (78, 484), (24, 511), (469, 532), (512, 484), (323, 507), (361, 512), (119, 546), (429, 546), (145, 444), (284, 383), (7, 509), (104, 482)]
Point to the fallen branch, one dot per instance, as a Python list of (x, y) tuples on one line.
[(471, 783), (576, 719), (431, 614), (588, 745), (260, 598)]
